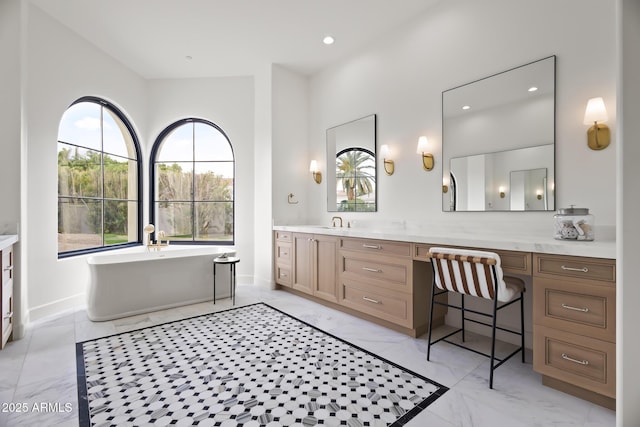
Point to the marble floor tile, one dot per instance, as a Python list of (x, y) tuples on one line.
[(429, 418), (463, 410), (88, 330), (50, 347), (12, 360), (518, 398), (48, 402)]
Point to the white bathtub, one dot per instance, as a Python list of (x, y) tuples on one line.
[(135, 281)]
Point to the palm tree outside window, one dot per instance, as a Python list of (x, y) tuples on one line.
[(355, 180)]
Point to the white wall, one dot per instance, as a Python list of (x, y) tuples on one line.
[(227, 102), (628, 233), (401, 78), (290, 157), (11, 94), (10, 101), (62, 67)]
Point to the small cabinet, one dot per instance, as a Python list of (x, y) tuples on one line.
[(314, 265), (6, 294), (283, 258), (574, 312)]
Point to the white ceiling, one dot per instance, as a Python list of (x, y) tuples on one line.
[(230, 37)]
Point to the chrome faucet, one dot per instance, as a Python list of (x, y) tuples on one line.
[(333, 221)]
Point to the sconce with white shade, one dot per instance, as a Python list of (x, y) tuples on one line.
[(445, 185), (501, 190), (389, 164), (427, 158), (315, 171), (539, 194), (598, 135)]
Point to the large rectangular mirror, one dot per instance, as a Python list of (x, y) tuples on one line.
[(351, 147), (498, 135)]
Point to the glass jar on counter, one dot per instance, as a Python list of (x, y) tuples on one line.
[(573, 224)]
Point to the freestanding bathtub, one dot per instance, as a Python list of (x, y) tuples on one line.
[(139, 281)]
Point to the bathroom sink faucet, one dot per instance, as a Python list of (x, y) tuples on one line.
[(333, 221)]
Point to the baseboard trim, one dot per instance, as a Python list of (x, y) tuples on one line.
[(57, 307)]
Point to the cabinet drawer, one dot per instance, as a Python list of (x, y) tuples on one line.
[(574, 307), (512, 261), (575, 268), (382, 271), (283, 236), (283, 253), (381, 303), (283, 275), (383, 247), (583, 361), (368, 269)]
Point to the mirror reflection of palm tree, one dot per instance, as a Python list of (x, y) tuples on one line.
[(355, 170)]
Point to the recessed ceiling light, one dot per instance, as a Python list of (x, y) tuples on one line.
[(466, 107), (533, 89), (328, 40)]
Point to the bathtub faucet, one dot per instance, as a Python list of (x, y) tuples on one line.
[(148, 229)]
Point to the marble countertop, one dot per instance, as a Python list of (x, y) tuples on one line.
[(499, 240), (7, 240)]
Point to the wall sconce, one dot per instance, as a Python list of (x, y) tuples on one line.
[(313, 168), (539, 194), (501, 190), (445, 185), (389, 165), (598, 135), (427, 158)]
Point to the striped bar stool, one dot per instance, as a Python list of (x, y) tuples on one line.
[(478, 274)]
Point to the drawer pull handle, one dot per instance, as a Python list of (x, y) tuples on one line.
[(283, 275), (371, 300), (373, 270), (364, 245), (568, 307), (582, 270), (571, 359), (9, 268), (9, 315)]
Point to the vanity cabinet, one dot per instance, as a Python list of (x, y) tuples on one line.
[(314, 265), (574, 312), (6, 294)]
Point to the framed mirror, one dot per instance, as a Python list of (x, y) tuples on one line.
[(351, 147), (498, 141)]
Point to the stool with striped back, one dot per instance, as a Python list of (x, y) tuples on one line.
[(477, 274)]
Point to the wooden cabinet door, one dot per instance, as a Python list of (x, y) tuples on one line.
[(325, 275), (302, 262)]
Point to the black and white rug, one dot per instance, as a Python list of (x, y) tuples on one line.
[(249, 366)]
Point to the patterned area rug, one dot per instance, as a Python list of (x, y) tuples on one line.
[(249, 366)]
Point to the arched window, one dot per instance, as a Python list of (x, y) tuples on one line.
[(192, 178), (356, 180), (98, 179)]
